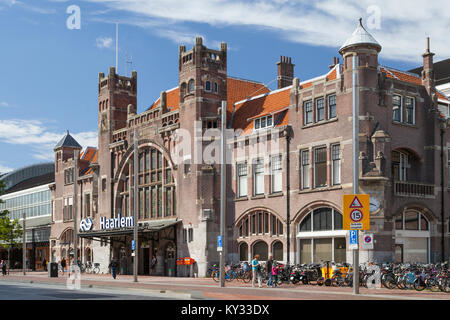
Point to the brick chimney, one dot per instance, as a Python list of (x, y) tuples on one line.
[(285, 72), (335, 62), (428, 72)]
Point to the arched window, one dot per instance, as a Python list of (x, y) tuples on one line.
[(208, 86), (262, 249), (411, 220), (260, 223), (191, 86), (277, 250), (156, 187), (243, 252), (321, 219)]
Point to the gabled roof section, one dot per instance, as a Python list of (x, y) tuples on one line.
[(67, 141), (89, 156)]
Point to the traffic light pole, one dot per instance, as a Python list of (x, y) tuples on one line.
[(355, 98)]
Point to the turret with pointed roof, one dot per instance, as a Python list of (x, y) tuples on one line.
[(67, 141), (360, 37)]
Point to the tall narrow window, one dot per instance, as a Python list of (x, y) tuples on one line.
[(397, 108), (308, 112), (320, 167), (87, 205), (216, 87), (410, 110), (332, 107), (191, 86), (258, 168), (320, 110), (305, 169), (276, 174), (242, 179), (208, 86), (336, 159)]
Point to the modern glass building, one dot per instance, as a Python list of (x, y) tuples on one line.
[(27, 192)]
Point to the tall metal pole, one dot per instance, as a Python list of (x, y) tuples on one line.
[(223, 195), (355, 97), (24, 244), (135, 207), (76, 154)]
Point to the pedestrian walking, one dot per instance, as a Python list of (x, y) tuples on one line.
[(269, 271), (256, 268), (44, 264), (27, 263), (153, 264), (275, 270), (113, 266), (3, 265), (63, 265)]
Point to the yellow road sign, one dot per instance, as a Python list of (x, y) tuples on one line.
[(356, 212)]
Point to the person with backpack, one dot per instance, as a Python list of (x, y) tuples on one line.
[(269, 271), (256, 268)]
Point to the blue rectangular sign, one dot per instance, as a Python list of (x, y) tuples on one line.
[(219, 241), (353, 237), (132, 245)]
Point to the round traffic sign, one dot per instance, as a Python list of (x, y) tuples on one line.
[(356, 215), (367, 239)]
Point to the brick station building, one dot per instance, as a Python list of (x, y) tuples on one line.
[(291, 163)]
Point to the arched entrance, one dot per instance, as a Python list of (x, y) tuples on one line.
[(412, 237)]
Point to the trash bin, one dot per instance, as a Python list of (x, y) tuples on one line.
[(53, 270)]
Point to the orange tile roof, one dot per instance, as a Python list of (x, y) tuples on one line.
[(401, 75), (441, 96), (266, 104), (89, 156), (172, 100)]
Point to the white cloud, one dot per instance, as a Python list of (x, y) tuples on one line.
[(39, 138), (5, 169), (4, 104), (404, 23), (104, 42)]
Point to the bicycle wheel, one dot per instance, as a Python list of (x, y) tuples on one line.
[(419, 285), (433, 285), (444, 285), (247, 277), (229, 275), (389, 282)]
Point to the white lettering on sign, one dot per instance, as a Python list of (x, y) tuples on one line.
[(115, 223)]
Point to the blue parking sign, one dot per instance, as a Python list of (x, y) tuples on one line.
[(353, 239), (132, 245), (219, 241)]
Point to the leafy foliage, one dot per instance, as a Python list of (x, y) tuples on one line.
[(10, 230)]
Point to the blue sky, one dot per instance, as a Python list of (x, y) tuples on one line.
[(49, 73)]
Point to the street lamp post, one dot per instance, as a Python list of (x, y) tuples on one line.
[(76, 153), (223, 195), (135, 194), (24, 245)]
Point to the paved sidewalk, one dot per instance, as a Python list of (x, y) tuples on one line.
[(205, 288)]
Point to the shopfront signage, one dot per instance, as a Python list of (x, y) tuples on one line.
[(356, 212), (116, 223), (86, 224)]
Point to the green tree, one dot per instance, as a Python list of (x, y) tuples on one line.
[(10, 230)]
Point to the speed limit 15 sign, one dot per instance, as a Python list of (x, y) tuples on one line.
[(356, 214)]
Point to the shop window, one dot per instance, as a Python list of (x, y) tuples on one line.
[(322, 250)]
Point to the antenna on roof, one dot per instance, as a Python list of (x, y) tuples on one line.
[(117, 47), (128, 62)]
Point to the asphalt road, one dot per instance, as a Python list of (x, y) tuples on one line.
[(37, 291)]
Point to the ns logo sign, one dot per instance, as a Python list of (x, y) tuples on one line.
[(86, 224)]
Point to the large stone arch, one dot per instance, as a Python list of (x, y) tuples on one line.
[(303, 211), (261, 208)]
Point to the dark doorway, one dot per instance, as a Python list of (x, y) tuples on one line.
[(146, 258), (398, 253)]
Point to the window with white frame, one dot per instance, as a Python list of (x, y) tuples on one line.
[(411, 220), (320, 110), (336, 164), (208, 86), (305, 168), (191, 86), (397, 108), (307, 112), (258, 169), (264, 122), (241, 169), (276, 175), (320, 167), (332, 113), (410, 110)]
